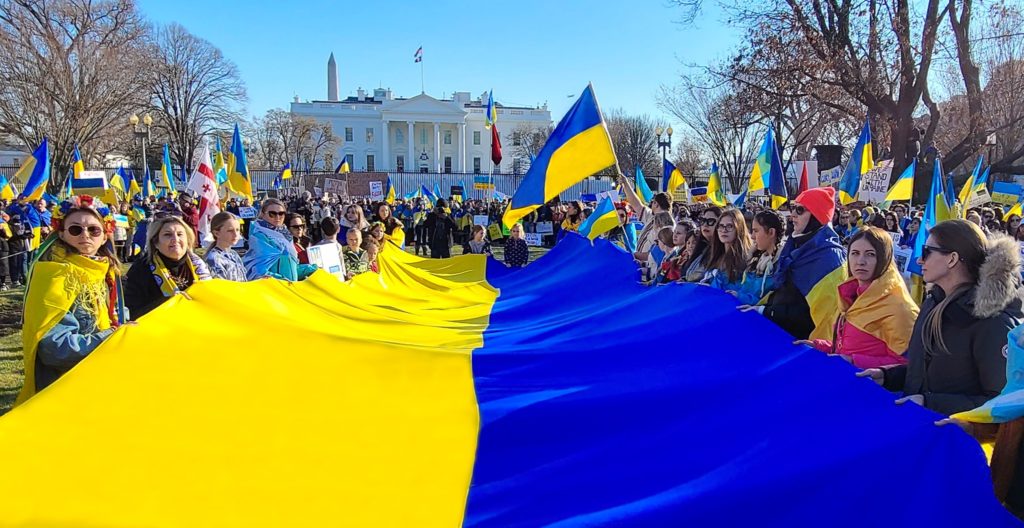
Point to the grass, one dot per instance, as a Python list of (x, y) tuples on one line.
[(10, 333)]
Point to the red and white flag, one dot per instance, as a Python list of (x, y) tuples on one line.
[(203, 185)]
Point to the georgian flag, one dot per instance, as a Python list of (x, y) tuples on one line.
[(203, 185), (418, 56)]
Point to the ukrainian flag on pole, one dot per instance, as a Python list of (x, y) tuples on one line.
[(35, 172), (672, 177), (861, 161), (220, 167), (238, 167), (767, 172), (389, 191), (969, 186), (77, 165), (716, 193), (167, 170), (6, 189), (644, 190), (492, 112), (603, 219), (903, 189), (578, 147)]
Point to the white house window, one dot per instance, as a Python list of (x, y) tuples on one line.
[(423, 136), (369, 135), (369, 163), (348, 133), (448, 164), (516, 140), (447, 137), (399, 136), (517, 165), (400, 164), (476, 165), (351, 160), (476, 137)]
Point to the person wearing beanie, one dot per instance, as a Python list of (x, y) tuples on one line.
[(811, 266)]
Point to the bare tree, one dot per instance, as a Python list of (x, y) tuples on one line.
[(280, 137), (720, 125), (195, 89), (635, 142), (73, 71), (527, 141), (689, 158)]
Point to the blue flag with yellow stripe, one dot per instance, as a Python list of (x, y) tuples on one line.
[(578, 147), (862, 160)]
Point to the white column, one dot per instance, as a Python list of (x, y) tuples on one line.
[(410, 157), (462, 147), (385, 159), (437, 147)]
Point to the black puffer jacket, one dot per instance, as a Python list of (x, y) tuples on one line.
[(974, 329)]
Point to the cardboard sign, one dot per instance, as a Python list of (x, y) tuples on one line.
[(1006, 193), (327, 258), (494, 232), (483, 183), (875, 183), (481, 220), (376, 191), (336, 186), (247, 212), (121, 220), (457, 190), (896, 238), (534, 239), (544, 228), (830, 176), (978, 198)]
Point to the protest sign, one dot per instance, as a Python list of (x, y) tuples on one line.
[(902, 258), (830, 176), (875, 183), (336, 186), (545, 228), (480, 220), (327, 258), (376, 191), (494, 232), (247, 212), (534, 239)]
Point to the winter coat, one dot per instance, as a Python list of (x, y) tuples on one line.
[(974, 328), (875, 322), (758, 282)]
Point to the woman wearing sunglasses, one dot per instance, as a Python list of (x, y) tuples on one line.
[(957, 352), (73, 300), (701, 255), (169, 265), (271, 249)]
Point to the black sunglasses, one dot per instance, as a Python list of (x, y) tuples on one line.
[(926, 251), (297, 226), (77, 230), (710, 221), (798, 210), (276, 214)]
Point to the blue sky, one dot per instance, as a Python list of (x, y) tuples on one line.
[(529, 51)]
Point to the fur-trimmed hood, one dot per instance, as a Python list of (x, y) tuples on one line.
[(999, 280)]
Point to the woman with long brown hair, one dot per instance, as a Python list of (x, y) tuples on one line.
[(956, 358), (730, 251)]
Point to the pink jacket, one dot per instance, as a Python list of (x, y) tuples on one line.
[(865, 350)]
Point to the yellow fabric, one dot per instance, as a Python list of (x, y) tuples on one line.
[(885, 310), (823, 303), (52, 289), (582, 155), (370, 421)]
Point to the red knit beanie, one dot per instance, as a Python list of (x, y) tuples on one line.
[(820, 201)]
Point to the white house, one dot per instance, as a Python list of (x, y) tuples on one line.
[(421, 133)]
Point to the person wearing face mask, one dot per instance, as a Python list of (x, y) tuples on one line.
[(169, 267), (811, 265), (955, 359), (876, 310), (73, 302)]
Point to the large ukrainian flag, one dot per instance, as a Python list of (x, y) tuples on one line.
[(34, 173), (441, 393), (579, 147), (862, 160), (767, 174)]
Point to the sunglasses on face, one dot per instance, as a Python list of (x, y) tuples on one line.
[(298, 226), (710, 221), (799, 210), (275, 214), (926, 251), (77, 230)]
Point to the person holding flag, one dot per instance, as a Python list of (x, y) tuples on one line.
[(660, 202)]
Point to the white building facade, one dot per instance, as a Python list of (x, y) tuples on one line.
[(421, 133)]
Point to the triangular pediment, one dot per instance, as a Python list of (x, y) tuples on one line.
[(424, 105)]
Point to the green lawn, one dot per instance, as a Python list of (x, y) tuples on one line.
[(10, 334)]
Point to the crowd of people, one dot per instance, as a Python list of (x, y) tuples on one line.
[(827, 275)]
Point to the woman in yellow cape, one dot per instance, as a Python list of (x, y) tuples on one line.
[(73, 300)]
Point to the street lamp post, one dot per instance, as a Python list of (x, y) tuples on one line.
[(664, 145), (141, 133)]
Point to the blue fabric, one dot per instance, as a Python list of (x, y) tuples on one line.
[(594, 416), (812, 261), (271, 253)]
